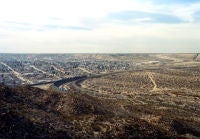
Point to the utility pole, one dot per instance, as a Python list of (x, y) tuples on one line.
[(195, 56)]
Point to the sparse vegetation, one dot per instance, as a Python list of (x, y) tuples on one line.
[(152, 100)]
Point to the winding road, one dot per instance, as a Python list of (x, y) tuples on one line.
[(76, 81)]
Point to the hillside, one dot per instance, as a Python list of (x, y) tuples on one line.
[(27, 112)]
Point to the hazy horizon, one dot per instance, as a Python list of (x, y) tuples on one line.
[(101, 26)]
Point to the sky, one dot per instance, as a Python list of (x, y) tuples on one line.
[(99, 26)]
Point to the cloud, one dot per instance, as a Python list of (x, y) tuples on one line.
[(109, 38), (77, 12), (99, 26), (170, 2), (143, 17)]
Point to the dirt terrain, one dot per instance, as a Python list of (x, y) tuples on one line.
[(157, 99)]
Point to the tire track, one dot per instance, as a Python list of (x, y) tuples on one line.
[(150, 75)]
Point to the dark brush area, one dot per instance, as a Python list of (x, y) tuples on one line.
[(27, 112)]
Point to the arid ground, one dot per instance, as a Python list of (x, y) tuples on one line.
[(159, 98)]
